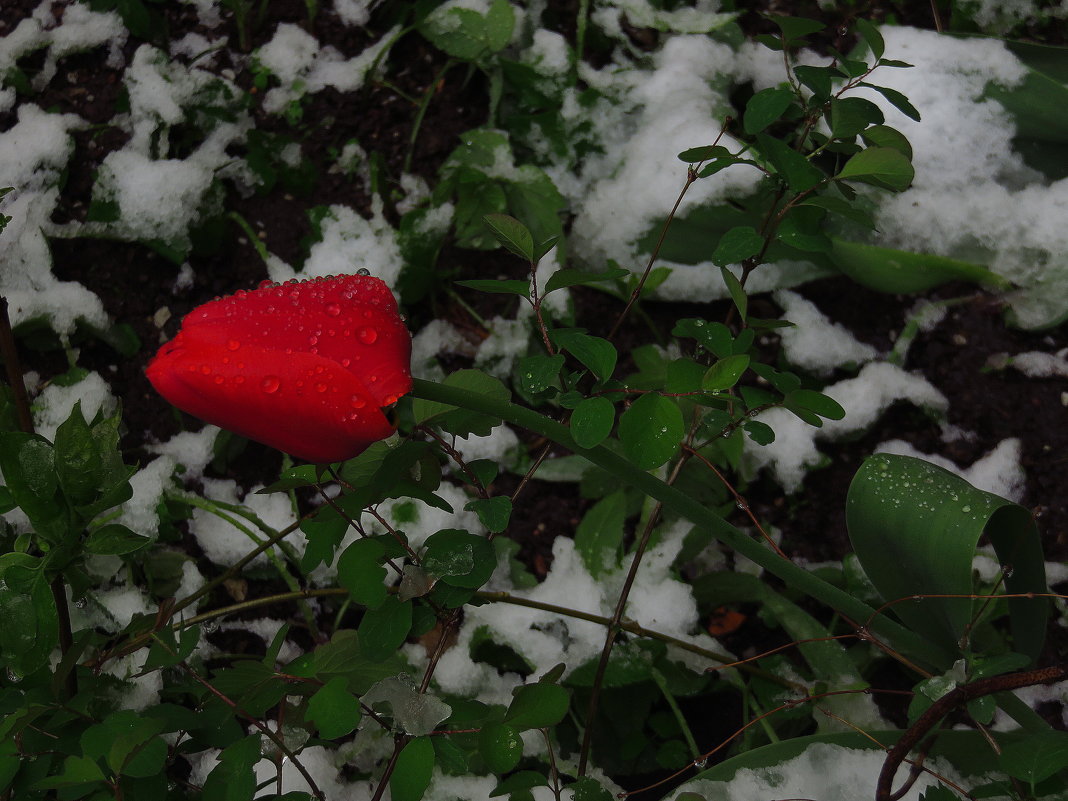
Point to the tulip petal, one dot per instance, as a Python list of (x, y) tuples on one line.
[(303, 367)]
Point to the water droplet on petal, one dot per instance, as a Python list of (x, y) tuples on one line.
[(313, 340), (205, 369), (357, 402), (333, 309), (346, 362), (320, 387), (219, 379), (239, 379), (367, 336), (233, 344), (271, 384), (390, 399), (363, 271)]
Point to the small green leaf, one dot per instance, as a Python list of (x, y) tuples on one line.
[(885, 136), (760, 433), (600, 533), (233, 779), (795, 28), (800, 175), (818, 79), (1036, 757), (114, 538), (511, 233), (76, 770), (415, 768), (900, 272), (840, 206), (851, 115), (383, 629), (651, 430), (815, 402), (765, 107), (492, 512), (518, 782), (589, 789), (737, 292), (880, 166), (897, 100), (538, 373), (360, 571), (592, 421), (537, 706), (567, 277), (333, 709), (713, 337), (509, 287), (872, 36), (459, 558), (725, 373), (736, 245), (696, 155), (598, 354), (501, 747)]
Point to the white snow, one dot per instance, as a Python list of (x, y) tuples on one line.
[(998, 472), (815, 343)]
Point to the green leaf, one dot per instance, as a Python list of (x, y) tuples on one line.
[(462, 422), (537, 706), (600, 533), (233, 778), (737, 245), (765, 107), (114, 538), (896, 99), (589, 789), (840, 206), (415, 767), (598, 354), (384, 629), (800, 175), (696, 155), (518, 782), (880, 166), (851, 115), (760, 433), (885, 136), (815, 402), (818, 79), (459, 558), (360, 571), (28, 463), (492, 512), (76, 770), (737, 292), (334, 710), (78, 463), (592, 421), (1036, 757), (902, 272), (725, 373), (651, 430), (567, 277), (872, 37), (713, 337), (413, 712), (511, 233), (915, 527), (501, 747), (509, 287), (466, 34), (795, 28), (538, 373)]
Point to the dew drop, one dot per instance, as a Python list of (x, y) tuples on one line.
[(743, 506), (233, 344), (239, 379), (313, 340), (219, 379), (205, 369), (966, 509), (210, 626), (357, 402), (320, 387), (333, 309), (13, 676), (367, 336), (346, 362), (266, 283), (80, 603), (363, 271), (390, 399), (271, 384)]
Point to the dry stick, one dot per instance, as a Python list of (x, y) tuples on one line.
[(9, 352), (270, 735), (946, 704), (614, 625)]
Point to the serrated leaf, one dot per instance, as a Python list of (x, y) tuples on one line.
[(736, 245), (511, 233), (881, 166), (592, 421), (651, 430), (765, 107)]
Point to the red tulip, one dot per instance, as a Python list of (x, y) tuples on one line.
[(305, 367)]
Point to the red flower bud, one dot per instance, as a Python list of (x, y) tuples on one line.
[(305, 367)]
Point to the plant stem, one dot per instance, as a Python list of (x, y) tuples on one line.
[(417, 123)]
